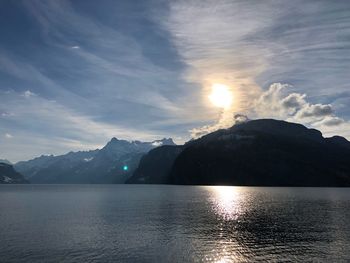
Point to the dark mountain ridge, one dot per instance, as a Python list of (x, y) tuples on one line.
[(156, 165), (8, 175), (262, 152)]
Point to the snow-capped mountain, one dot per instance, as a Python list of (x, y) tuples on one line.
[(114, 163)]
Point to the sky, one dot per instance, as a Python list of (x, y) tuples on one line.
[(74, 74)]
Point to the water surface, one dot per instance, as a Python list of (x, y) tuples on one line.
[(154, 223)]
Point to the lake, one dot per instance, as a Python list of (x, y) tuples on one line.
[(159, 223)]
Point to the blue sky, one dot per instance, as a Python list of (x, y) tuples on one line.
[(73, 74)]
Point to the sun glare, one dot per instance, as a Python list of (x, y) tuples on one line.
[(221, 96)]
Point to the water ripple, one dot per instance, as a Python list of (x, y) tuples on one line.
[(173, 224)]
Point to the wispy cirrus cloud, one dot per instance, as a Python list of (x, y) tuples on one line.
[(83, 71), (54, 128), (215, 46), (249, 45)]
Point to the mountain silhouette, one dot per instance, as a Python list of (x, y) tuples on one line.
[(263, 152), (8, 175)]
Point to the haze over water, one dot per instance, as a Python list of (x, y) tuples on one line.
[(144, 223)]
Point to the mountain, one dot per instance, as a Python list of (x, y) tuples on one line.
[(5, 161), (259, 153), (114, 163), (8, 175), (49, 168), (155, 165)]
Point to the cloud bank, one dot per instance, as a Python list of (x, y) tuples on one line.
[(277, 102)]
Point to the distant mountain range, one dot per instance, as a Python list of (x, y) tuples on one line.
[(258, 153), (114, 163), (9, 176)]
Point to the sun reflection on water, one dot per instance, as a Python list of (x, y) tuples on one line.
[(227, 202)]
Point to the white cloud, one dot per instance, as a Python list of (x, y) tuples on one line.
[(157, 143), (276, 102), (8, 136), (293, 102), (315, 110), (75, 47), (227, 119), (330, 121), (272, 104), (28, 94)]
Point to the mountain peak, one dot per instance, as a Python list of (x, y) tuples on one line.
[(164, 141), (278, 127), (155, 143), (270, 127)]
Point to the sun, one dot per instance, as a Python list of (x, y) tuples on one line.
[(221, 96)]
